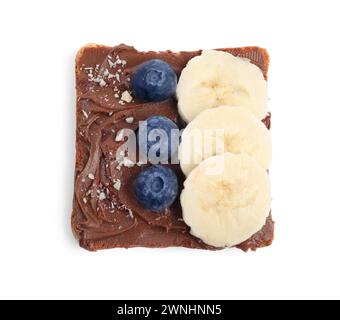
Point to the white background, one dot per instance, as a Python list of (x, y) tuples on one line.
[(39, 257)]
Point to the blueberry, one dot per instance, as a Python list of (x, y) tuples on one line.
[(154, 80), (156, 188), (155, 132)]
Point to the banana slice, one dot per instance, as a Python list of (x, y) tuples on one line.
[(226, 199), (224, 129), (218, 78)]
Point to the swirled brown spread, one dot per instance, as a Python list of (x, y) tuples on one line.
[(105, 212)]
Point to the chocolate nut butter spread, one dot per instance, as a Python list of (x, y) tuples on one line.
[(105, 212)]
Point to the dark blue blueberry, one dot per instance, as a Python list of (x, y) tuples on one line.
[(156, 188), (156, 131), (154, 80)]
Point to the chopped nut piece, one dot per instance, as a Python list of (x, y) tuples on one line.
[(91, 176), (128, 163), (120, 135), (102, 196), (126, 96), (129, 119), (117, 184), (130, 213), (102, 83), (111, 64)]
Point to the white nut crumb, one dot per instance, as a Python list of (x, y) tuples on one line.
[(84, 200), (102, 196), (117, 184), (130, 213), (126, 96), (111, 64), (120, 135), (129, 119), (116, 95), (128, 163), (91, 176), (102, 83)]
